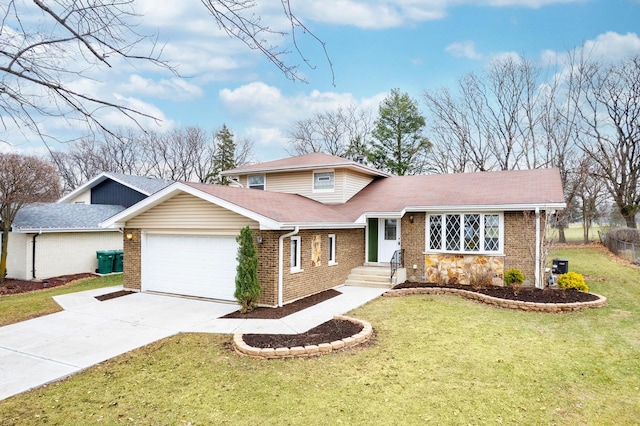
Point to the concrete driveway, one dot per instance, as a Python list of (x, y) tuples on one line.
[(87, 332)]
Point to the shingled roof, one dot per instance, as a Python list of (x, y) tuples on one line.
[(315, 160), (501, 190), (392, 196), (49, 217)]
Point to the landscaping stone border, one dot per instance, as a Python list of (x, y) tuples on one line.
[(305, 351), (502, 303)]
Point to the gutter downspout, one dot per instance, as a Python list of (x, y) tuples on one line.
[(537, 269), (33, 255), (280, 262)]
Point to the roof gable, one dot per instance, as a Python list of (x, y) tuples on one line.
[(142, 184), (315, 160)]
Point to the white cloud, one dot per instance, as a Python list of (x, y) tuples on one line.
[(465, 49), (155, 119), (612, 46), (267, 105), (175, 89), (269, 113), (380, 14)]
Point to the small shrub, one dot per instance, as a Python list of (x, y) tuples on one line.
[(573, 280), (514, 277), (481, 278)]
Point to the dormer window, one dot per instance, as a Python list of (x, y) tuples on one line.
[(256, 182), (323, 181)]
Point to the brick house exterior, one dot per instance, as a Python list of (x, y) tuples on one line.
[(490, 216)]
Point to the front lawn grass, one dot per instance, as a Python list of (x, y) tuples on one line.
[(435, 360), (24, 306)]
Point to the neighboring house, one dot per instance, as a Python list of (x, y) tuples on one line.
[(317, 217), (116, 189), (53, 239)]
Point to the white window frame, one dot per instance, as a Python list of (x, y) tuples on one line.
[(324, 172), (254, 186), (331, 247), (295, 259), (443, 235)]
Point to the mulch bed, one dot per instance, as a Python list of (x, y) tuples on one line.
[(524, 294), (327, 332), (13, 286), (113, 295), (291, 308)]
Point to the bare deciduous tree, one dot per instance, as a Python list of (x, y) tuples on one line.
[(23, 180), (492, 123), (181, 154), (609, 107), (343, 132), (45, 46)]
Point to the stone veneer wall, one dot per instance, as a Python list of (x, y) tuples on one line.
[(132, 276), (312, 279), (465, 269)]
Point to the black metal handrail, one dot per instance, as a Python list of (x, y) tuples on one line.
[(397, 261)]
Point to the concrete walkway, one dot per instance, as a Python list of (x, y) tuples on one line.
[(87, 332)]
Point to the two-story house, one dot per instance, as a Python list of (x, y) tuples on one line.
[(317, 217)]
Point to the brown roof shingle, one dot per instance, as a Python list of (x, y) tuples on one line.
[(304, 162), (501, 190)]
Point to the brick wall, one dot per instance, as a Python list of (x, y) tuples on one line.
[(412, 237), (312, 279), (520, 242), (268, 265), (132, 277)]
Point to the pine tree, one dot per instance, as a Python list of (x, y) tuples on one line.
[(248, 288), (399, 146), (224, 157)]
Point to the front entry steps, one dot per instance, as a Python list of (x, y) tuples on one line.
[(370, 276)]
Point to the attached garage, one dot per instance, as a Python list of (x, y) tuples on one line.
[(190, 265)]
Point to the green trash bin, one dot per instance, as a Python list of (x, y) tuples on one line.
[(105, 261), (118, 260)]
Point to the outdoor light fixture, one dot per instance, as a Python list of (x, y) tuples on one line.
[(129, 235), (411, 218), (259, 239)]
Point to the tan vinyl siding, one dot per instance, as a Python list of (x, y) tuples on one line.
[(354, 183), (346, 184), (185, 211)]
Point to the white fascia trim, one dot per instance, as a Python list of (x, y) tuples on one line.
[(61, 230), (485, 208), (322, 225), (119, 220), (98, 180)]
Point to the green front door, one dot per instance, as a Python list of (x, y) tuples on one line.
[(372, 234)]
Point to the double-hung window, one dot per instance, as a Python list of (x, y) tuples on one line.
[(465, 233), (256, 182)]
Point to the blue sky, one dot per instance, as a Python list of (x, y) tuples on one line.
[(375, 45)]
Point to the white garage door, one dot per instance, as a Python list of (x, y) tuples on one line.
[(201, 266)]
